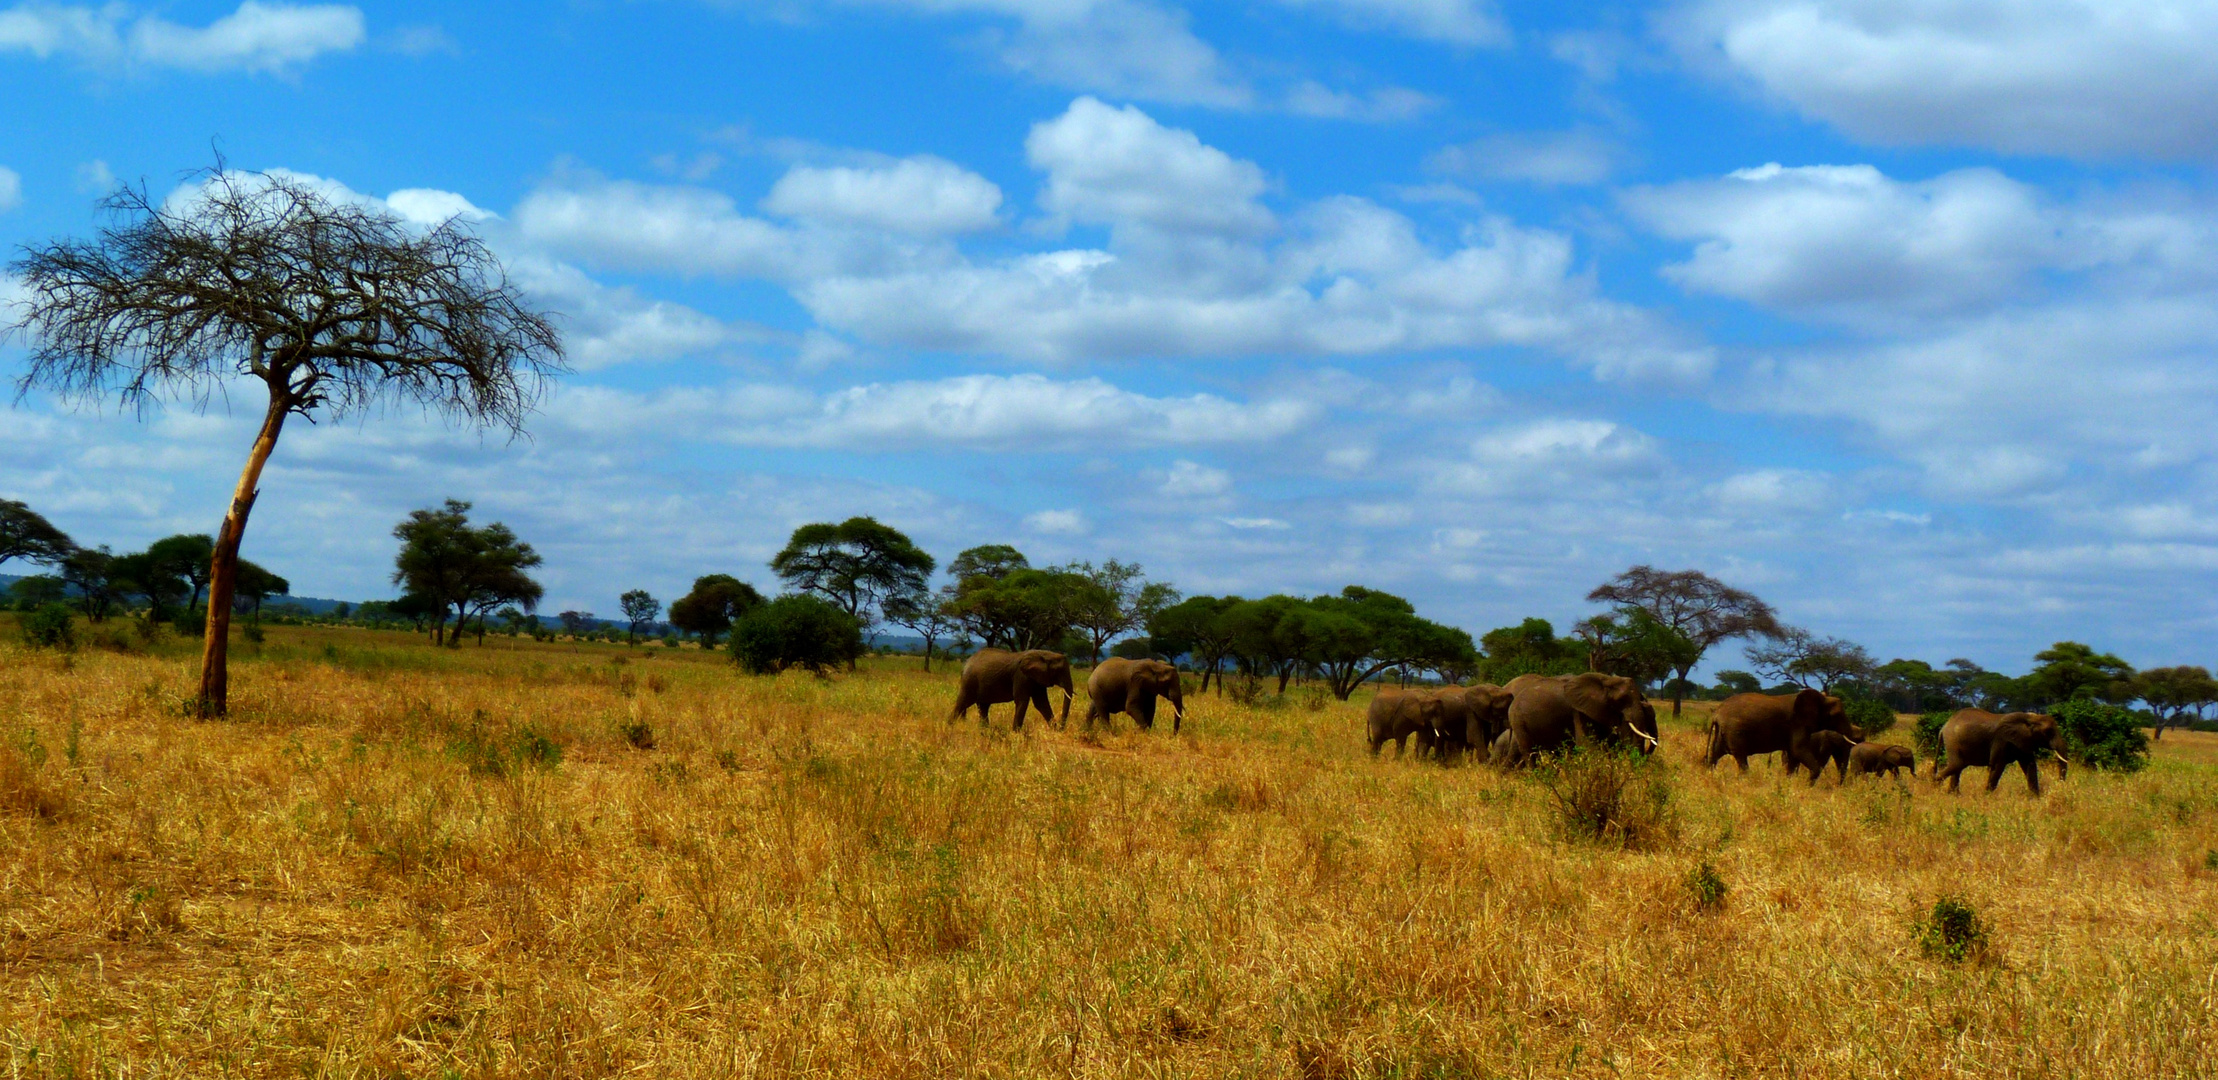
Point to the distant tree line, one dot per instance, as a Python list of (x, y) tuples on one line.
[(164, 583), (843, 579)]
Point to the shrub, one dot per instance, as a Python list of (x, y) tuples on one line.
[(1615, 797), (1927, 735), (795, 630), (2102, 736), (1706, 887), (52, 626), (637, 733), (1870, 714), (1952, 932)]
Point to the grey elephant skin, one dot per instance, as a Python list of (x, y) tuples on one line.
[(1817, 749), (1873, 759), (1978, 737), (1131, 687), (1471, 718), (1550, 712), (1395, 715), (1748, 724), (992, 676)]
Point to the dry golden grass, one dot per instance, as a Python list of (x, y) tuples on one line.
[(364, 873)]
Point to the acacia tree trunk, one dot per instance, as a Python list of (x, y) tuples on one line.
[(223, 568)]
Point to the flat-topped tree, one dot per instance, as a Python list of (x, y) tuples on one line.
[(333, 306), (25, 534), (1695, 606)]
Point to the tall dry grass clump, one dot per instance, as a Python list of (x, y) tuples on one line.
[(401, 861)]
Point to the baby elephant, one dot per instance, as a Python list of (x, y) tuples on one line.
[(1815, 750), (1870, 758)]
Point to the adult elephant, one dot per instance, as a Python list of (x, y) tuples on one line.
[(1747, 724), (992, 676), (1978, 737), (1550, 712), (1471, 718), (1131, 687), (1395, 715)]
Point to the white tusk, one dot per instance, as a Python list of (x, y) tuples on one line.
[(1651, 738)]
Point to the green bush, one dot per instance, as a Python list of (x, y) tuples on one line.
[(1706, 887), (1870, 714), (2102, 736), (1927, 735), (1952, 931), (52, 626), (795, 630)]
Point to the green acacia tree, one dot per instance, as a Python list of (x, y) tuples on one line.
[(462, 569), (714, 602), (2171, 693), (1696, 607), (640, 608), (334, 306), (27, 535), (1196, 628), (856, 564), (2069, 670)]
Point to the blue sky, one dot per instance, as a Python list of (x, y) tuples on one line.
[(1898, 314)]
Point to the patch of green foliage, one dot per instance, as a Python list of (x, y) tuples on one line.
[(796, 630), (52, 626), (1706, 887), (1871, 714), (1927, 735), (1952, 932), (2102, 736)]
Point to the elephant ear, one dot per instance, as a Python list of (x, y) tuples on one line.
[(1810, 709), (2016, 728), (1587, 694)]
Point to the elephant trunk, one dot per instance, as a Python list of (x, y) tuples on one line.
[(2063, 764), (1068, 693)]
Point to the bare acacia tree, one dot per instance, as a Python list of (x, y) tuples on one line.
[(1699, 607), (1800, 657), (335, 307)]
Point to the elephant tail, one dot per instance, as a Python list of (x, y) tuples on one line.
[(1709, 749)]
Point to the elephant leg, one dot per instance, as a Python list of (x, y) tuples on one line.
[(1047, 714), (1742, 761), (984, 714), (2032, 774), (1023, 701)]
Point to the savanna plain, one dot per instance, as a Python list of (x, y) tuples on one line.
[(568, 859)]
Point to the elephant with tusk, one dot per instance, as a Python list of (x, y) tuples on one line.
[(1550, 712), (1978, 737), (1395, 715), (1131, 687), (1750, 724)]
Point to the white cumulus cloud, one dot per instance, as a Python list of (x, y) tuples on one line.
[(921, 195), (1849, 238), (2080, 78), (1117, 166), (1057, 522), (1189, 480), (258, 37)]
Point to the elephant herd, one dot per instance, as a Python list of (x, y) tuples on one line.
[(1539, 714), (1812, 730)]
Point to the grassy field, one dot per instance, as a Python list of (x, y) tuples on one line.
[(379, 868)]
